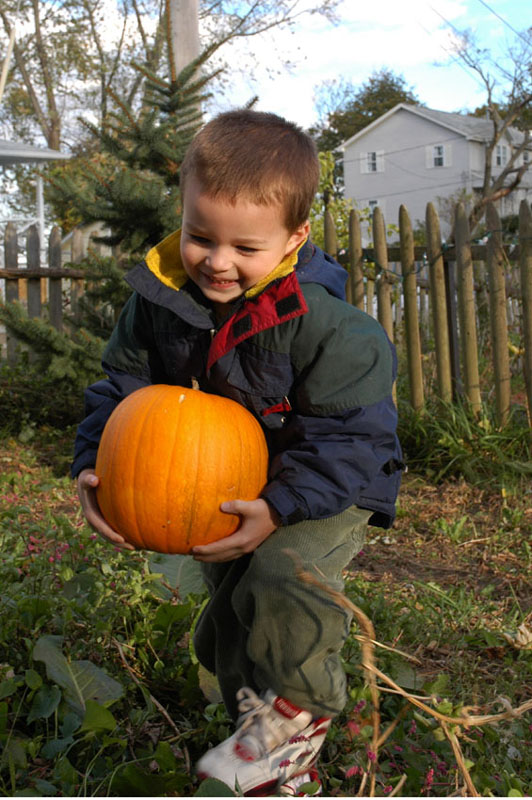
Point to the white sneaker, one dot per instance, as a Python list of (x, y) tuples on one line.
[(274, 741), (294, 787)]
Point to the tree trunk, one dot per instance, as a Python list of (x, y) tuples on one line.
[(184, 42)]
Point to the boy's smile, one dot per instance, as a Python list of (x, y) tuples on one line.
[(226, 248)]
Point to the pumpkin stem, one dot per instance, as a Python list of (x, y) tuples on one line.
[(195, 384)]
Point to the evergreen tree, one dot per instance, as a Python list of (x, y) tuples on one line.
[(132, 185)]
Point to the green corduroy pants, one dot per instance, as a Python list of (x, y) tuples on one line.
[(266, 629)]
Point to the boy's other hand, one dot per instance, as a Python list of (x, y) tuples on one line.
[(259, 520), (87, 483)]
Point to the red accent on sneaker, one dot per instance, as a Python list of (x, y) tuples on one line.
[(264, 790), (286, 708), (243, 752)]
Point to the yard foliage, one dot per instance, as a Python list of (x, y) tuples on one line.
[(101, 693)]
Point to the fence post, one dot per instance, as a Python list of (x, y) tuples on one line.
[(329, 234), (356, 274), (525, 264), (384, 293), (11, 262), (76, 284), (466, 308), (413, 344), (55, 296), (439, 305), (498, 318), (33, 247)]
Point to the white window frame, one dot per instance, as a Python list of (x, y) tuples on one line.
[(372, 162), (501, 155), (438, 156)]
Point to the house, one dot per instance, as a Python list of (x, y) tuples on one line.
[(412, 155)]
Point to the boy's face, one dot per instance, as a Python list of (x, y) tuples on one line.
[(226, 249)]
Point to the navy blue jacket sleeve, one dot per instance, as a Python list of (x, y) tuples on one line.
[(334, 462), (100, 401), (339, 446), (127, 365)]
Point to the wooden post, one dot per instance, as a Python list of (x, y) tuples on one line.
[(498, 319), (525, 265), (184, 41), (384, 299), (76, 285), (449, 271), (424, 315), (466, 308), (439, 305), (55, 300), (413, 343), (11, 262), (370, 295), (329, 234), (33, 247), (356, 273)]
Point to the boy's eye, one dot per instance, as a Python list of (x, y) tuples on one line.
[(199, 239), (247, 249)]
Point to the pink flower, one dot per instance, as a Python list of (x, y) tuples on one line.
[(371, 755), (387, 789), (352, 771), (398, 748), (353, 727), (359, 706), (51, 559), (429, 780)]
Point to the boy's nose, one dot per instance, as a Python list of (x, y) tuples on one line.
[(218, 259)]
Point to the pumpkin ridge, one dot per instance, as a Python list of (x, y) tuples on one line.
[(137, 500), (171, 501), (193, 515)]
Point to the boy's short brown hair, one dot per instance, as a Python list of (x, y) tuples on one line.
[(256, 156)]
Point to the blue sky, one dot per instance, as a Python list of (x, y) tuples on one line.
[(409, 37)]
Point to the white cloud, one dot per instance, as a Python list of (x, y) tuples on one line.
[(410, 38)]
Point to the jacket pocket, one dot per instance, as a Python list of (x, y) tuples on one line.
[(265, 379)]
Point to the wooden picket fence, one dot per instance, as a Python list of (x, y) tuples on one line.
[(46, 290), (456, 292), (434, 301)]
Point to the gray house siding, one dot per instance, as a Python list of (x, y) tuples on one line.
[(411, 159)]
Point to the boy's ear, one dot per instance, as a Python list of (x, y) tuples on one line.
[(298, 236)]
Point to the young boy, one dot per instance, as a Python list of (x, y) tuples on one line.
[(241, 300)]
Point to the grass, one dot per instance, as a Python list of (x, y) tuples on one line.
[(449, 587)]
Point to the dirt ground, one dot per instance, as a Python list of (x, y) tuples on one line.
[(455, 535), (419, 547)]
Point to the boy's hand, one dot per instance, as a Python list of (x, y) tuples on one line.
[(87, 483), (259, 520)]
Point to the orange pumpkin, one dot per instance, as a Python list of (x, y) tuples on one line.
[(168, 457)]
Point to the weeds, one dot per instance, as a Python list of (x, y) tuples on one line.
[(446, 440), (101, 694)]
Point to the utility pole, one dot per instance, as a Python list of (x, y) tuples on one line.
[(184, 33)]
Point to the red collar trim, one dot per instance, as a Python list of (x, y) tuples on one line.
[(282, 301)]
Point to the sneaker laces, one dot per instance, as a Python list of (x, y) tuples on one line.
[(260, 728)]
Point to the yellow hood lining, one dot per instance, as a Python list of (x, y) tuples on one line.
[(164, 261)]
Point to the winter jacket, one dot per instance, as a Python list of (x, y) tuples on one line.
[(315, 371)]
